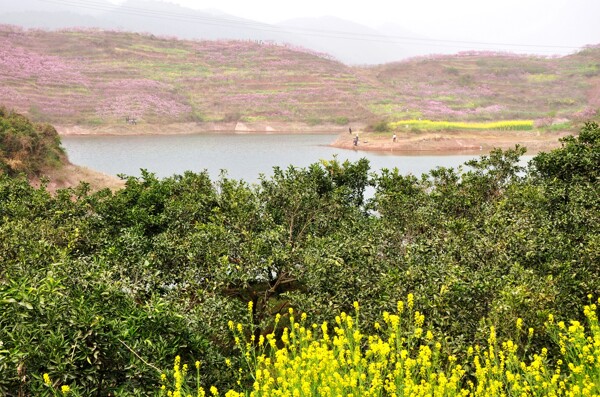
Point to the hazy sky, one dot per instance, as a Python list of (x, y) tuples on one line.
[(548, 22), (411, 12)]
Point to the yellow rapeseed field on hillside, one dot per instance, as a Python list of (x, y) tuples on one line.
[(505, 125)]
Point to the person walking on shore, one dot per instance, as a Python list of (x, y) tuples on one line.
[(349, 130)]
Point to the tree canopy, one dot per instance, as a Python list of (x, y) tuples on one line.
[(105, 287)]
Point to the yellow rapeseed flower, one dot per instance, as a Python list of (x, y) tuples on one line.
[(456, 125), (395, 361), (410, 301), (400, 307)]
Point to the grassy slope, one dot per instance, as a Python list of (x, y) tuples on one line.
[(91, 78)]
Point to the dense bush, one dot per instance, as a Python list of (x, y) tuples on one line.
[(103, 289), (26, 147), (381, 126)]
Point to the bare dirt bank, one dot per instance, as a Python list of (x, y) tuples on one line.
[(447, 141), (535, 141), (207, 127), (70, 175)]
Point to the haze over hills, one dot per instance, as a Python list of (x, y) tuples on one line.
[(93, 77), (161, 18), (349, 42)]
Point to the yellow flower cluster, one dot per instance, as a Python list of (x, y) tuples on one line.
[(404, 359), (179, 387), (499, 371), (339, 360), (506, 125), (64, 389)]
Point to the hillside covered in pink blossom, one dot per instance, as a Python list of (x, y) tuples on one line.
[(87, 77)]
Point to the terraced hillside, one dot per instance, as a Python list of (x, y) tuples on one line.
[(103, 77), (488, 86), (106, 78)]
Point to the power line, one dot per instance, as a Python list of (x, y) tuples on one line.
[(237, 22)]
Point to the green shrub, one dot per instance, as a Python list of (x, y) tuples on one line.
[(341, 120), (26, 147), (313, 121), (381, 126)]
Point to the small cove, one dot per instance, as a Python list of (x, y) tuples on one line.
[(244, 156)]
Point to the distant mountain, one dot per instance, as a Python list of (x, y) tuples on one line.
[(54, 20), (18, 6), (346, 41), (51, 15), (173, 20), (415, 44), (350, 42)]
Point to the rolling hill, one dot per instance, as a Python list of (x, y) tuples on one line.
[(93, 77)]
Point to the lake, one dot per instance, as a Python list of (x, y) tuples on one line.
[(243, 156)]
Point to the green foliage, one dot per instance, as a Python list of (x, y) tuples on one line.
[(26, 147), (381, 126), (314, 121), (341, 120), (102, 288), (577, 161)]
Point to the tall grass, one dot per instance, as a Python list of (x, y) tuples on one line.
[(428, 125)]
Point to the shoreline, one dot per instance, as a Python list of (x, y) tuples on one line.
[(205, 128), (451, 142)]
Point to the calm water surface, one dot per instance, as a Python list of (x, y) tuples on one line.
[(243, 156)]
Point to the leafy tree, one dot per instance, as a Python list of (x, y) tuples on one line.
[(101, 288)]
